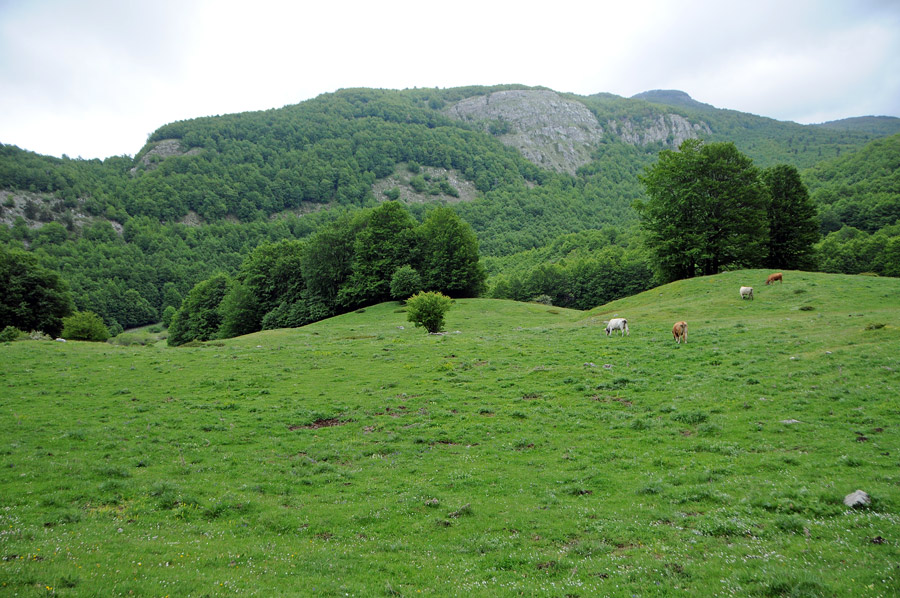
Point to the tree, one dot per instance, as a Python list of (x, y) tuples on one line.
[(327, 263), (386, 242), (167, 315), (273, 274), (705, 212), (239, 311), (199, 317), (450, 260), (427, 309), (793, 226), (135, 310), (405, 282), (31, 297), (84, 326)]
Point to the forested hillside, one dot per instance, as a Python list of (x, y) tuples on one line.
[(859, 203), (133, 236)]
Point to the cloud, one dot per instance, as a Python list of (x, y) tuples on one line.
[(94, 78)]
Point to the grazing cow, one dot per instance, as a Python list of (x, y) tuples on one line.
[(746, 292), (773, 278), (679, 331), (620, 324)]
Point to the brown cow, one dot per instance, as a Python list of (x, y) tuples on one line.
[(679, 331), (773, 277)]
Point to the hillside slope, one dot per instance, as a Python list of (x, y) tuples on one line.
[(526, 167), (860, 190), (522, 452)]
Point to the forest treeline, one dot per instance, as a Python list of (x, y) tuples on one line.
[(377, 255), (123, 232)]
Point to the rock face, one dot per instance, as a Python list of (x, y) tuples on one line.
[(560, 134), (550, 131), (163, 149), (671, 129)]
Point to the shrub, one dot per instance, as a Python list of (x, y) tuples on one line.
[(427, 310), (9, 334), (418, 184), (405, 282), (115, 329), (84, 326)]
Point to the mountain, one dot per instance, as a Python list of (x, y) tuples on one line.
[(672, 97), (562, 133), (861, 189), (875, 125), (338, 148), (527, 168)]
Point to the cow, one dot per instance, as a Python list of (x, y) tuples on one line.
[(679, 331), (620, 324), (773, 278), (746, 292)]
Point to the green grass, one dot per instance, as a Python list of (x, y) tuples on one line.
[(521, 453)]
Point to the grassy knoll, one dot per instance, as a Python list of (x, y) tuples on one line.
[(522, 453)]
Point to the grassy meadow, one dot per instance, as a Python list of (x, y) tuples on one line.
[(521, 453)]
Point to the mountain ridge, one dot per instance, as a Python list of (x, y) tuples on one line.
[(527, 168)]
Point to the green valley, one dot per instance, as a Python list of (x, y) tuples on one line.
[(522, 452)]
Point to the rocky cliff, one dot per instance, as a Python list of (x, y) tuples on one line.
[(559, 133)]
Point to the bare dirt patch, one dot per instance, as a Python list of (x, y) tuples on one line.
[(320, 423)]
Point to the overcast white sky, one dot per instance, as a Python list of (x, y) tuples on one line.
[(93, 78)]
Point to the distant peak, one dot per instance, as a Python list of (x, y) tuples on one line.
[(670, 97)]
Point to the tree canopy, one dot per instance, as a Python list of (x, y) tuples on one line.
[(354, 261), (31, 297), (793, 221), (706, 210)]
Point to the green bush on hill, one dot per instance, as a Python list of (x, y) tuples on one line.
[(427, 309), (84, 326)]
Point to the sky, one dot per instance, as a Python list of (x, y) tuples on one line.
[(94, 78)]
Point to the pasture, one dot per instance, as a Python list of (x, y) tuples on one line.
[(522, 453)]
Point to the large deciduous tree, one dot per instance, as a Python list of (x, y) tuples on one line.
[(199, 317), (705, 212), (450, 261), (793, 223), (386, 242), (31, 297)]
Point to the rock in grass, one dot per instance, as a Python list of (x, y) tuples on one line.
[(857, 500)]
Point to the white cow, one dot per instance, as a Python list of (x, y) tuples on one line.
[(620, 324), (747, 292)]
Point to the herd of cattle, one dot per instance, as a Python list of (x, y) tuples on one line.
[(679, 330)]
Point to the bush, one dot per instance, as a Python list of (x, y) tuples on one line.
[(9, 334), (115, 329), (405, 282), (84, 326), (427, 310), (418, 184)]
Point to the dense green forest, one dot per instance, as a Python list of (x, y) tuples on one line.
[(133, 236)]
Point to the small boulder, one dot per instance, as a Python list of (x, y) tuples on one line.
[(857, 500)]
